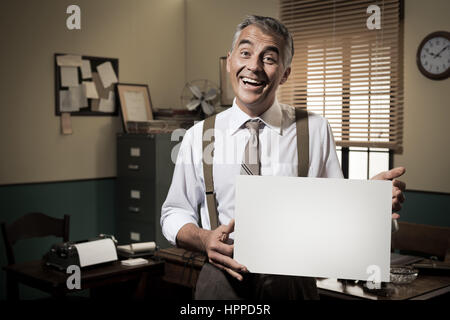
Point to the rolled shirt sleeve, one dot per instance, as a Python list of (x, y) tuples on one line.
[(185, 192)]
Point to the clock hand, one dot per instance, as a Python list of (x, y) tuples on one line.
[(439, 53)]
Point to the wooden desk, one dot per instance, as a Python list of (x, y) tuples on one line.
[(423, 288), (37, 275)]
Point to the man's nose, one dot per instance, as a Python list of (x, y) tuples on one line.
[(254, 64)]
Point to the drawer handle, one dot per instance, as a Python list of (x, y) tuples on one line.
[(135, 236), (135, 152), (134, 167), (135, 194), (134, 209)]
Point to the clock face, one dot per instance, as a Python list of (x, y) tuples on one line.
[(434, 56)]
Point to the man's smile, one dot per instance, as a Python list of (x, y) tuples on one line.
[(251, 83)]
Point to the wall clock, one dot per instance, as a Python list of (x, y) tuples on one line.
[(433, 55)]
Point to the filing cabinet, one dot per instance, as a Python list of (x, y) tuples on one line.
[(144, 174)]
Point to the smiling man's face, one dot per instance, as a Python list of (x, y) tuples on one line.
[(256, 69)]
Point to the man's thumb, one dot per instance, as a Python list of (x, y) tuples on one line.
[(229, 228)]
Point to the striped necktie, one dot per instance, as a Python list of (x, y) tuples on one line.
[(251, 164)]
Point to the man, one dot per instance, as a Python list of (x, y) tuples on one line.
[(258, 63)]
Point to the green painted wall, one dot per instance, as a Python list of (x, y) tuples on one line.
[(426, 208), (89, 203)]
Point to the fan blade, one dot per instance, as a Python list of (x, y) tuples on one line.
[(193, 104), (207, 108), (195, 91), (211, 94)]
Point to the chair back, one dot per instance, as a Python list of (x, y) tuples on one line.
[(33, 225), (421, 239)]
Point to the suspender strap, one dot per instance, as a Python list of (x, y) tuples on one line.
[(301, 119), (208, 124)]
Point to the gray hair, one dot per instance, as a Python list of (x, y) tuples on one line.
[(270, 25)]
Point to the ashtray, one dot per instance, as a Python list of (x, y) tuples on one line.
[(403, 275)]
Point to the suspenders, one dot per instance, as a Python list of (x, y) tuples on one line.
[(208, 175), (301, 119)]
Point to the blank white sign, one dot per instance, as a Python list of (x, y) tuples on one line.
[(314, 227)]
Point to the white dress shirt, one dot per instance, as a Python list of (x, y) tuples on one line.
[(278, 154)]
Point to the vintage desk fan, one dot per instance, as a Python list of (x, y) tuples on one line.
[(200, 93)]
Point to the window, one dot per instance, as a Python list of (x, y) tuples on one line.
[(351, 75)]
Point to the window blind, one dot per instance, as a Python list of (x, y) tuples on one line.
[(351, 75)]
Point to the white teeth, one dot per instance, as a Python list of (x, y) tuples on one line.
[(251, 80)]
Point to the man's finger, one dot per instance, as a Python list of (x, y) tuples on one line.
[(396, 206), (395, 216), (391, 174), (234, 274), (399, 184), (229, 228), (397, 193), (226, 249), (226, 261)]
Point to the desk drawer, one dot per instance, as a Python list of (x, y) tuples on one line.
[(136, 158), (136, 199)]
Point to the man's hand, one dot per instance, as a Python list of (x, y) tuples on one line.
[(397, 187), (220, 253)]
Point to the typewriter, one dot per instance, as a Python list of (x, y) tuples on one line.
[(83, 253)]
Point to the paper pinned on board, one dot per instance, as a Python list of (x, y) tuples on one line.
[(102, 92), (86, 69), (107, 74), (69, 77), (331, 228), (69, 60), (66, 123), (107, 105), (90, 90), (65, 102), (78, 97)]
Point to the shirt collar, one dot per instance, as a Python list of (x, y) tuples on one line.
[(272, 117)]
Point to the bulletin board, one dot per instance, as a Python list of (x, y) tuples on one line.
[(80, 85)]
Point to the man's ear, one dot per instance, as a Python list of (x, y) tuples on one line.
[(228, 61), (286, 74)]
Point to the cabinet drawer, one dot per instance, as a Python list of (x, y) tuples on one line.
[(135, 200), (136, 157), (129, 231)]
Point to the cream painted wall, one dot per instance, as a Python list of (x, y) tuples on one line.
[(426, 140), (147, 36), (210, 28)]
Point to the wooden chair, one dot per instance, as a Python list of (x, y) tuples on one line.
[(423, 240), (31, 225)]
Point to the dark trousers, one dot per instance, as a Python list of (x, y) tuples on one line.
[(215, 284)]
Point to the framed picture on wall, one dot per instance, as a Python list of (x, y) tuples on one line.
[(135, 103), (226, 90)]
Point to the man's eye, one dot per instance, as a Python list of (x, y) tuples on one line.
[(245, 53), (269, 60)]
